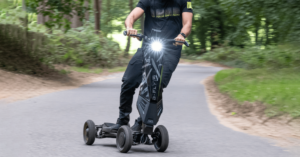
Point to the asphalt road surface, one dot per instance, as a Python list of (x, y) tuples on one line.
[(51, 125)]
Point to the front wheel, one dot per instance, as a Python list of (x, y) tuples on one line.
[(162, 138), (124, 139), (89, 132)]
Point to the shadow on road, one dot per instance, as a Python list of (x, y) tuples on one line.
[(134, 149), (106, 145)]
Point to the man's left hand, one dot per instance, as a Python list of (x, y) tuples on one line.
[(179, 38)]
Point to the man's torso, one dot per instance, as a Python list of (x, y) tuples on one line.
[(164, 15)]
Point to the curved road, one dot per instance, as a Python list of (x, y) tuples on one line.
[(51, 125)]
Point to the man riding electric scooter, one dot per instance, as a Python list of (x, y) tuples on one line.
[(173, 19)]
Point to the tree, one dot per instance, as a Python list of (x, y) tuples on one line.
[(97, 4), (56, 11)]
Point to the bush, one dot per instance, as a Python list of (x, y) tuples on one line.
[(80, 47), (252, 58)]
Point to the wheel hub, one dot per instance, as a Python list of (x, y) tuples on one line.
[(158, 140), (87, 132), (121, 139)]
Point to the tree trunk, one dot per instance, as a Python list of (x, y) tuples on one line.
[(97, 4), (128, 40), (267, 32), (24, 8), (23, 5), (108, 20), (26, 16), (191, 39), (275, 32), (217, 32), (213, 39), (257, 27), (87, 14), (221, 29), (256, 34), (41, 18), (202, 34), (75, 20), (127, 47), (100, 9)]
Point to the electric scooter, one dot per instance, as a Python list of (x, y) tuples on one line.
[(149, 104)]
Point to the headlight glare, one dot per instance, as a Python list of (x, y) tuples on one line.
[(156, 46)]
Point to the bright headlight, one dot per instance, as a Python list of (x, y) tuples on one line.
[(156, 46)]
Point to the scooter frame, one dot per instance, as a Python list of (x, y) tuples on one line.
[(149, 105)]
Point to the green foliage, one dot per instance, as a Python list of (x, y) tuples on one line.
[(57, 10), (274, 57), (78, 47), (279, 89), (81, 47), (243, 23), (12, 16), (237, 23), (113, 13), (5, 4)]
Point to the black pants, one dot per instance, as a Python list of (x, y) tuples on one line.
[(133, 77)]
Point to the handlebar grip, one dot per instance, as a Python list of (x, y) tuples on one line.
[(186, 44), (125, 33)]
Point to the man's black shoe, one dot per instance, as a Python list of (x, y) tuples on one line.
[(115, 127), (137, 127), (111, 129)]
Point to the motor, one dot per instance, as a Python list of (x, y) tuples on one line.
[(149, 104)]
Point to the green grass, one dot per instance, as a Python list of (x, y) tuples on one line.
[(64, 72), (280, 88), (87, 70), (98, 70), (117, 69)]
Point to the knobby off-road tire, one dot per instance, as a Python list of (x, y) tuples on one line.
[(162, 142), (89, 132), (124, 139)]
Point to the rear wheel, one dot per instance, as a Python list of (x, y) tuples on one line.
[(89, 132), (124, 139), (162, 138)]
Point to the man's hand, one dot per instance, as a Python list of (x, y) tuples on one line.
[(179, 38), (131, 31)]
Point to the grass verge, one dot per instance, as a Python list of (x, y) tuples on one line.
[(280, 89), (98, 70), (87, 70), (117, 69)]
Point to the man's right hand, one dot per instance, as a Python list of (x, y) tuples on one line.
[(131, 31)]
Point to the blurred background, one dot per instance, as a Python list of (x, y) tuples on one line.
[(259, 39), (69, 28)]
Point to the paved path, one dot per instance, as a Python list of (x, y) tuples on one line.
[(51, 125)]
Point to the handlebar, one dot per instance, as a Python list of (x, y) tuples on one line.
[(173, 40), (141, 37)]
